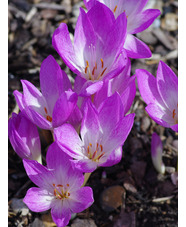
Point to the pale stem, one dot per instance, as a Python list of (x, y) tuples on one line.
[(87, 175)]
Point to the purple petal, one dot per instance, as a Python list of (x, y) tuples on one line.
[(38, 200), (144, 20), (61, 213), (90, 88), (19, 99), (128, 95), (148, 88), (64, 105), (75, 118), (63, 45), (114, 158), (58, 160), (167, 84), (68, 139), (174, 127), (110, 112), (37, 173), (160, 115), (119, 134), (156, 153), (81, 199), (85, 165), (51, 81), (135, 48), (90, 126)]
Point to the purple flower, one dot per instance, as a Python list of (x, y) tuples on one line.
[(123, 84), (156, 153), (138, 20), (103, 133), (160, 95), (95, 54), (24, 137), (57, 101), (59, 187)]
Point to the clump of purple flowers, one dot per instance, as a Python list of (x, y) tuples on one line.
[(91, 121)]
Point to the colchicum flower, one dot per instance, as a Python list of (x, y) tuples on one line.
[(138, 20), (103, 133), (96, 53), (24, 137), (123, 84), (59, 187), (156, 153), (54, 104), (160, 95)]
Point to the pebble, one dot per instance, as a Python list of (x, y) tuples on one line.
[(145, 123), (37, 223), (170, 22), (19, 206), (112, 198), (83, 222)]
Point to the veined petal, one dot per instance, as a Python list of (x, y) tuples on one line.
[(64, 105), (90, 126), (38, 173), (135, 48), (33, 97), (52, 81), (69, 141), (167, 84), (156, 153), (160, 115), (85, 165), (81, 199), (114, 157), (38, 200), (63, 45), (61, 213), (110, 112), (119, 134), (148, 87), (144, 20), (19, 99)]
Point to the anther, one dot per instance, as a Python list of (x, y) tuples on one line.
[(45, 110), (101, 147), (173, 114), (93, 156), (102, 63), (103, 72), (67, 185), (115, 8), (54, 185), (68, 194), (49, 118), (59, 185), (101, 155), (90, 144)]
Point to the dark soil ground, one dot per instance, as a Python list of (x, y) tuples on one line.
[(130, 193)]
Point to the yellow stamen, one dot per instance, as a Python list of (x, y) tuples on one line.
[(49, 118), (115, 8), (102, 63)]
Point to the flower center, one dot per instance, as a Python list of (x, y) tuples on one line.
[(48, 117), (60, 191), (93, 73), (97, 154)]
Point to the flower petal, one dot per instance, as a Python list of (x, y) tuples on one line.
[(52, 81), (85, 165), (160, 115), (38, 173), (81, 199), (135, 48), (38, 200), (64, 105), (61, 214), (144, 20), (63, 45), (148, 88), (119, 134), (69, 141), (114, 158), (167, 84)]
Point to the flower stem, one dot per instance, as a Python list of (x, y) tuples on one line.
[(87, 175)]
